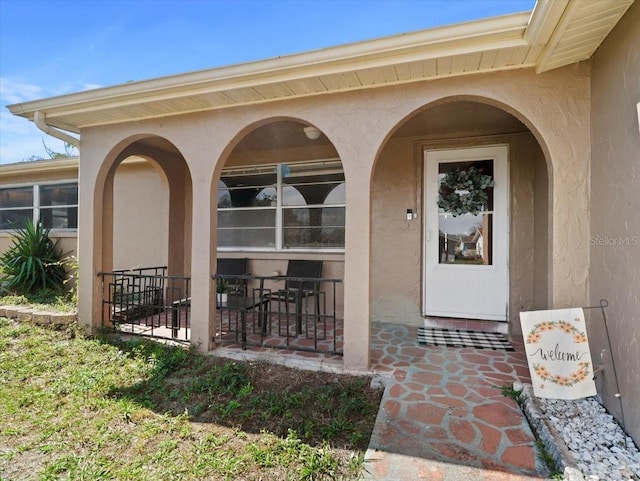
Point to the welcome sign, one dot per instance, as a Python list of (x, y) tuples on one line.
[(558, 353)]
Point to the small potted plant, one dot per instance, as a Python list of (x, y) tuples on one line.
[(222, 289)]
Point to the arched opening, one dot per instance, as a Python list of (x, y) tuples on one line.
[(143, 201), (405, 215), (279, 200)]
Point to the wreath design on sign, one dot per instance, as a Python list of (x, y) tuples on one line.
[(464, 191), (579, 337)]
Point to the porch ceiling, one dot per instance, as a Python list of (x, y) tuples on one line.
[(555, 34)]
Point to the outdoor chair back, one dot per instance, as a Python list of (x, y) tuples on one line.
[(303, 269), (234, 267)]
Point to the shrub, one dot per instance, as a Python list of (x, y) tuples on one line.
[(33, 262)]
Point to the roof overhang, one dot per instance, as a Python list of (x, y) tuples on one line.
[(53, 165), (556, 33), (39, 166)]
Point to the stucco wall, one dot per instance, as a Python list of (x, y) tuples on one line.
[(141, 216), (397, 243), (67, 241), (554, 105), (615, 215), (396, 250)]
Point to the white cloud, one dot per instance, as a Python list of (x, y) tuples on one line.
[(14, 91), (65, 88), (91, 86), (21, 139), (12, 125)]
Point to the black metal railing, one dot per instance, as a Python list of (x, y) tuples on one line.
[(294, 313), (146, 301), (263, 311)]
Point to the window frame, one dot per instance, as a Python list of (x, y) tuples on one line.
[(36, 207), (279, 208)]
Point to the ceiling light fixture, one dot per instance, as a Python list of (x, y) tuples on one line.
[(312, 133)]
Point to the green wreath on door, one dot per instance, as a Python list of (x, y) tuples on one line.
[(464, 191)]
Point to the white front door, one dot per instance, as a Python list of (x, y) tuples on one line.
[(466, 195)]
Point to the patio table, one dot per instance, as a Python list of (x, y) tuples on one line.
[(243, 305)]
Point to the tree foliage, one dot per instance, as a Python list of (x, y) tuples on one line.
[(69, 151)]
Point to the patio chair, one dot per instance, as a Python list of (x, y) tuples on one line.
[(296, 289), (234, 267)]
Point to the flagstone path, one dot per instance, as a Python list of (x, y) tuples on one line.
[(443, 416)]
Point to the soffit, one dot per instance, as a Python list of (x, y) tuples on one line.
[(557, 33), (580, 30)]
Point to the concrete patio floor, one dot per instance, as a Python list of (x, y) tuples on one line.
[(443, 416)]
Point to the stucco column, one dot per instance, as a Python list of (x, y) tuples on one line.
[(557, 107), (89, 285), (94, 203), (565, 132), (571, 232), (357, 270), (202, 298), (357, 131)]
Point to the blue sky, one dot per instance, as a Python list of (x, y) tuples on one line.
[(55, 47)]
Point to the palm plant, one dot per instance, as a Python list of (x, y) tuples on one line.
[(33, 262)]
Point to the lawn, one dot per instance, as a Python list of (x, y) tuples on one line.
[(90, 409)]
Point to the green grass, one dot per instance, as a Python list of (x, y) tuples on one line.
[(46, 300), (78, 408)]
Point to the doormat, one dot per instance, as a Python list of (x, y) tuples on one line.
[(462, 338)]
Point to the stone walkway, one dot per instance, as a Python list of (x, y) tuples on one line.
[(443, 416)]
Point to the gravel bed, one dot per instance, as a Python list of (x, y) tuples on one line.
[(585, 440)]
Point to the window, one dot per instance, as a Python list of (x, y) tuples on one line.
[(247, 206), (16, 206), (283, 206), (59, 206), (55, 205)]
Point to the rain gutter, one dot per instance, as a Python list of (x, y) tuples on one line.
[(40, 120)]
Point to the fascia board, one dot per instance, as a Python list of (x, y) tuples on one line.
[(53, 165), (460, 38), (561, 26), (544, 19), (47, 165)]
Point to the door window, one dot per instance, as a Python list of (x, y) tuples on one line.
[(465, 212)]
